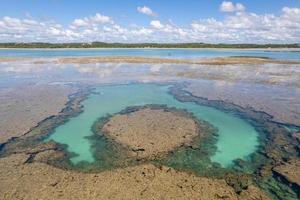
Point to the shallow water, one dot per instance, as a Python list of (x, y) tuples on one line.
[(164, 53), (236, 137)]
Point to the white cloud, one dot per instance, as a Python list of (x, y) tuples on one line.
[(98, 19), (101, 19), (237, 27), (80, 22), (156, 24), (142, 31), (146, 10), (239, 7), (252, 28), (228, 6)]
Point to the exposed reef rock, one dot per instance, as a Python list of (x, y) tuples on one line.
[(25, 106), (209, 61), (31, 142), (154, 60), (290, 171), (253, 193), (21, 180), (297, 136), (148, 132), (281, 104)]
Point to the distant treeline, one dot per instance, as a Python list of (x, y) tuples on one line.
[(143, 45)]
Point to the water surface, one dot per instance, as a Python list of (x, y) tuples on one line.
[(164, 53), (237, 138)]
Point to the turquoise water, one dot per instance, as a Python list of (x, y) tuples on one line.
[(165, 53), (237, 138)]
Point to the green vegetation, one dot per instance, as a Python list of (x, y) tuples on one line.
[(142, 45)]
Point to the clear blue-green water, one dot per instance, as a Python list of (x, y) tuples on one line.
[(236, 138), (165, 53)]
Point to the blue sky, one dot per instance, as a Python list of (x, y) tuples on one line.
[(181, 11), (176, 16)]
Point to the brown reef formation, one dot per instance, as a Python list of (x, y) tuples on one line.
[(290, 171), (157, 60), (31, 142), (22, 180), (209, 61), (25, 106), (284, 108), (149, 132)]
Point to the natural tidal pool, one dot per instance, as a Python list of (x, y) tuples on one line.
[(236, 139)]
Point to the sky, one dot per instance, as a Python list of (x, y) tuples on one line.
[(162, 21)]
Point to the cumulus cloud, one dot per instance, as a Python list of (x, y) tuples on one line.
[(228, 6), (146, 10), (90, 21), (236, 27), (25, 30), (156, 24), (251, 27)]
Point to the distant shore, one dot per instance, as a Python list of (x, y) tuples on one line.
[(195, 45)]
